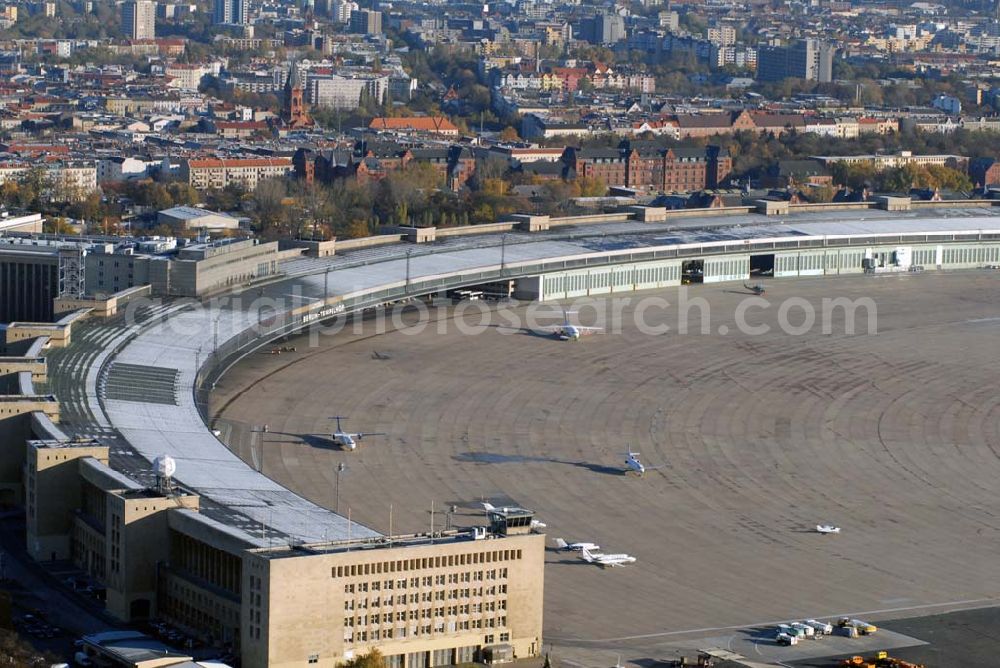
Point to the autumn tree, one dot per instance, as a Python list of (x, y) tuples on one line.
[(509, 134), (853, 175), (590, 186), (403, 195), (58, 225), (268, 196), (373, 659), (948, 179), (226, 199)]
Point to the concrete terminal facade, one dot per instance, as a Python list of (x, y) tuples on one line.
[(422, 601), (37, 269), (247, 564)]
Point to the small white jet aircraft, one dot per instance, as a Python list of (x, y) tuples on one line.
[(489, 507), (577, 547), (606, 560), (633, 463), (347, 440), (827, 528), (570, 332)]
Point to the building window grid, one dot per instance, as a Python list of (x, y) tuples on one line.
[(430, 612)]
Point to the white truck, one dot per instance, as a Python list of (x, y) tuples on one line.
[(807, 631), (821, 628), (795, 632)]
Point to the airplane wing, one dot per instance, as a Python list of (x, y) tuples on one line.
[(361, 435), (579, 328), (619, 560)]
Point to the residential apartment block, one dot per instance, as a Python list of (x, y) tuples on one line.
[(343, 92), (139, 19), (207, 173), (806, 59), (67, 181)]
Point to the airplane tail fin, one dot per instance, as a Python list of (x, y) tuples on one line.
[(587, 556), (560, 543), (488, 506)]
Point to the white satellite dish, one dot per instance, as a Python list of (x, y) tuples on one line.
[(165, 466)]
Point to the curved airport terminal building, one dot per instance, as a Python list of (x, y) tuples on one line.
[(114, 347)]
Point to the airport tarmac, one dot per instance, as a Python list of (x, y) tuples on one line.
[(967, 639), (755, 439)]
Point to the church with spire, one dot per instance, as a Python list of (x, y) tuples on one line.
[(293, 113)]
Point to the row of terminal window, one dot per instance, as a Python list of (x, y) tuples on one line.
[(426, 581), (373, 635), (966, 255), (425, 613), (424, 563), (426, 597)]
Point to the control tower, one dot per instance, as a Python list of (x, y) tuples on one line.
[(510, 521)]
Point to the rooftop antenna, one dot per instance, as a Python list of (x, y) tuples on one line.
[(390, 525), (432, 520), (348, 528)]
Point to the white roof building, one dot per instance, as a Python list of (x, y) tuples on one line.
[(193, 218)]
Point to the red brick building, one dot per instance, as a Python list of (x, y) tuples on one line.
[(680, 169), (373, 162), (431, 125), (607, 164), (709, 125)]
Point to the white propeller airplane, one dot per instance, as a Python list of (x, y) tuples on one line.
[(347, 440), (827, 528), (489, 507), (607, 560), (570, 332), (577, 547)]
